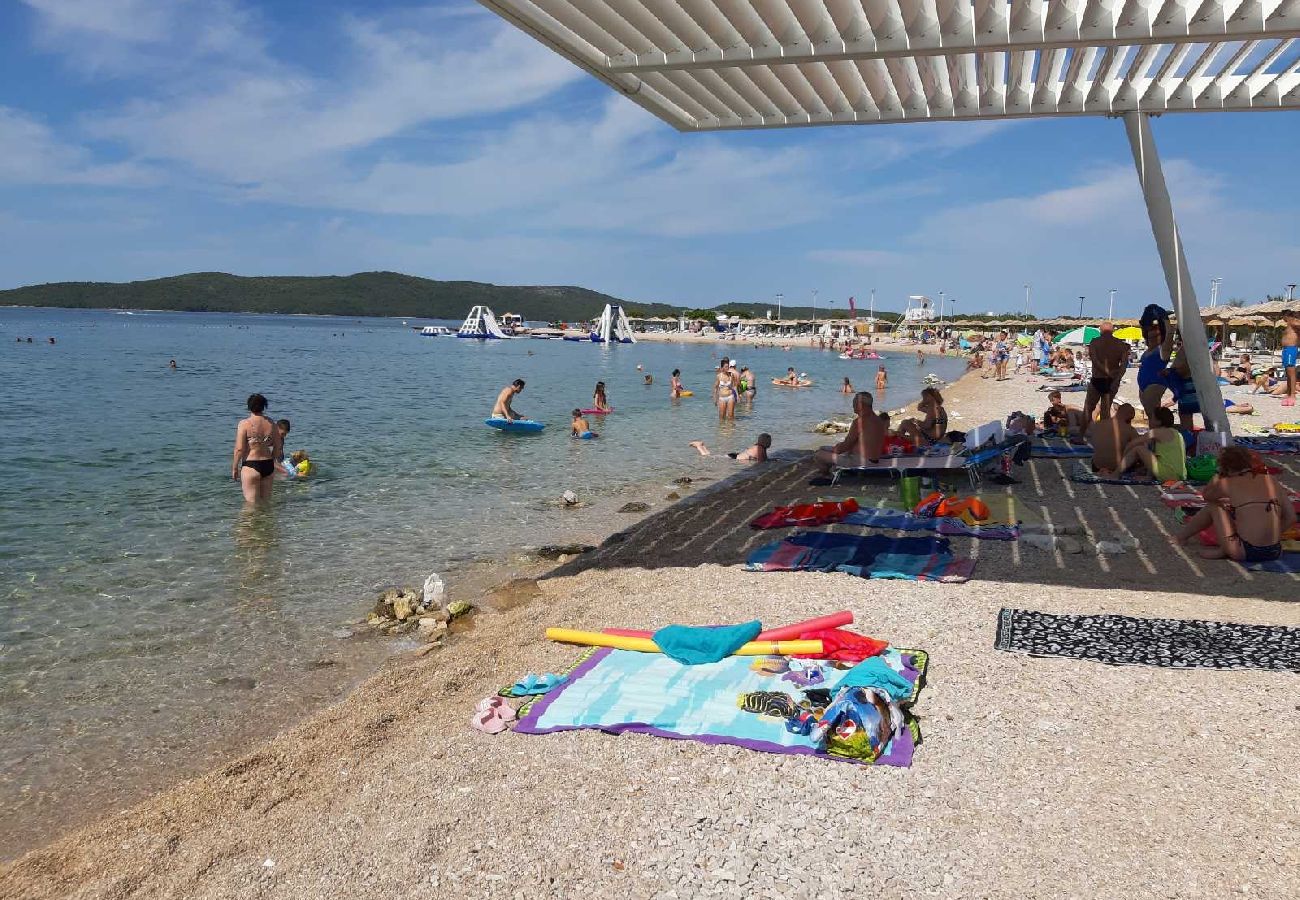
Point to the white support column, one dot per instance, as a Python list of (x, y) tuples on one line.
[(1170, 245)]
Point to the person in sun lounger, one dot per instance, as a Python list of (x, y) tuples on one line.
[(863, 443)]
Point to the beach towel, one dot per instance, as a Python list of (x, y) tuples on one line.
[(823, 512), (949, 526), (693, 645), (1270, 445), (1166, 643), (876, 673), (1084, 475), (742, 701), (1287, 564), (873, 556), (842, 645), (1053, 446)]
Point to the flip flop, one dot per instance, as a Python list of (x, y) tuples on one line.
[(488, 722), (537, 684), (498, 706)]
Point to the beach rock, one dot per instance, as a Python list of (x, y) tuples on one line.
[(555, 551), (684, 480), (431, 626), (569, 498), (402, 607), (673, 496), (635, 506), (831, 427)]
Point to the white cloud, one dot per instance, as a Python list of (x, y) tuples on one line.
[(31, 154)]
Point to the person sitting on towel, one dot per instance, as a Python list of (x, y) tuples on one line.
[(862, 444), (1248, 509), (893, 444), (1109, 438), (1162, 450), (1060, 416)]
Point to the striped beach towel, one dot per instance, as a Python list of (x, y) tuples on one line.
[(873, 556)]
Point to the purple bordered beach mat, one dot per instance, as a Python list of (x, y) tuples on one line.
[(620, 690)]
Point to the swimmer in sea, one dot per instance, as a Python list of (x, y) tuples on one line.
[(747, 388), (579, 427), (503, 409), (598, 399), (171, 364), (724, 390), (848, 386), (301, 464), (649, 379), (676, 390), (920, 356), (882, 379), (790, 378), (257, 447)]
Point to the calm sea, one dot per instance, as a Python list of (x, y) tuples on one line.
[(148, 624)]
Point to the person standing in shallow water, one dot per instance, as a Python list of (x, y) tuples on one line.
[(257, 446)]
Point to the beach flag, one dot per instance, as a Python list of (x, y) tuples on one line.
[(853, 309)]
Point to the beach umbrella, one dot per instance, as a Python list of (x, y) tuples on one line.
[(1085, 335), (1129, 334)]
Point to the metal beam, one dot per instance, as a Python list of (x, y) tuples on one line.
[(1170, 244)]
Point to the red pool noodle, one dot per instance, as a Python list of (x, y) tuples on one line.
[(784, 633)]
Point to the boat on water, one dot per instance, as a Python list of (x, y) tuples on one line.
[(512, 323), (436, 331)]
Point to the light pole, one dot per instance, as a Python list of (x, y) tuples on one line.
[(814, 305), (1081, 306), (1111, 314), (941, 310), (1026, 298), (1290, 292), (779, 298), (1214, 291)]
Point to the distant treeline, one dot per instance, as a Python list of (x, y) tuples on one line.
[(363, 294)]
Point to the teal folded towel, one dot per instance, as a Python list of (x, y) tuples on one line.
[(691, 645), (875, 672)]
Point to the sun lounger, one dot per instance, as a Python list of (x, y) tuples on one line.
[(935, 464)]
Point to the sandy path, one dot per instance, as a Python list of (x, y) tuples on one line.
[(1038, 777)]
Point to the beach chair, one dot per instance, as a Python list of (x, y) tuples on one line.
[(972, 464)]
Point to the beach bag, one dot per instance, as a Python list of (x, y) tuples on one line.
[(1202, 468), (956, 506)]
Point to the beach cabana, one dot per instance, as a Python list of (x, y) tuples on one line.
[(720, 65)]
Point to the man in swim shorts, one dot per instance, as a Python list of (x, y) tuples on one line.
[(1109, 357), (1290, 338), (864, 443), (1109, 437), (502, 409)]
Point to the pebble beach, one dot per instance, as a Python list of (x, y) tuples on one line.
[(1036, 777)]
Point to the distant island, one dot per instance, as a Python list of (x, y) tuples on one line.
[(363, 294), (369, 294)]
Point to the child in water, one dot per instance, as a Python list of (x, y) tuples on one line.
[(579, 427), (598, 399), (301, 464)]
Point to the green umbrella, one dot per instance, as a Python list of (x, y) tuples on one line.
[(1084, 335)]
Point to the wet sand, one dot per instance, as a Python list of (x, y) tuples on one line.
[(1037, 777)]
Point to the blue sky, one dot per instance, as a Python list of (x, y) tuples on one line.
[(141, 138)]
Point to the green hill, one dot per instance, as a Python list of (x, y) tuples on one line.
[(363, 294)]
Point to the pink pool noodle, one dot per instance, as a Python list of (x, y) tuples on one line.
[(784, 633)]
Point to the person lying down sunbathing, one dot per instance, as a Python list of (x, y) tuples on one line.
[(756, 453)]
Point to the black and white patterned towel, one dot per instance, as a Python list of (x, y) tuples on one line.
[(1168, 643)]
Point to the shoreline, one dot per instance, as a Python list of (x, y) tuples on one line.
[(490, 584), (388, 793)]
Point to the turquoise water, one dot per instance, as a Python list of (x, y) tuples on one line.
[(147, 619)]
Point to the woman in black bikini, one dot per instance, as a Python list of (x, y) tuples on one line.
[(1248, 509), (935, 426), (257, 446)]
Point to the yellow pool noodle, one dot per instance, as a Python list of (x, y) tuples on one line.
[(645, 645)]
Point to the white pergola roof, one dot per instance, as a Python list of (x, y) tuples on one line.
[(704, 65)]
